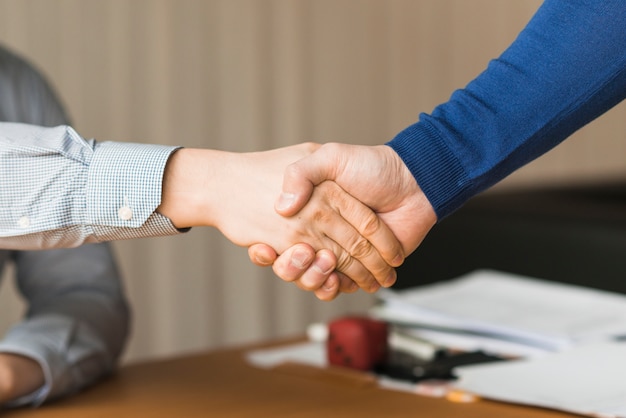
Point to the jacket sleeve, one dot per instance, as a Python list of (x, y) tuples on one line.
[(77, 320)]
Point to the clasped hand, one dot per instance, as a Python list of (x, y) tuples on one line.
[(369, 187), (346, 217)]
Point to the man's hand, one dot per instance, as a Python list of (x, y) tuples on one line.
[(236, 193), (19, 376), (373, 174), (309, 270)]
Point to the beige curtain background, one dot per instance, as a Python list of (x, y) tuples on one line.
[(247, 75)]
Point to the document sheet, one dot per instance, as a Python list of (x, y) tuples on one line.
[(499, 306), (589, 379)]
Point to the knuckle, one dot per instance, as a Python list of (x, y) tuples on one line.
[(292, 170), (331, 147), (348, 266), (366, 253), (370, 225), (310, 146), (320, 216), (361, 248), (344, 261)]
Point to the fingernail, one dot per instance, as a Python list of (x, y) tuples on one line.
[(329, 285), (300, 259), (391, 279), (398, 260), (262, 260), (285, 201), (374, 287), (324, 266)]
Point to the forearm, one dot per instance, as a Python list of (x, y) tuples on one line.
[(77, 321), (552, 80), (192, 187), (69, 353)]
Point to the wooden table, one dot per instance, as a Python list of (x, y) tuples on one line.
[(222, 384)]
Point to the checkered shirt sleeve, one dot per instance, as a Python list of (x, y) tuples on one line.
[(59, 190)]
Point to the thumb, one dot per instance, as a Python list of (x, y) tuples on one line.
[(299, 180)]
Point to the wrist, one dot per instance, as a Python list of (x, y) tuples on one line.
[(189, 182)]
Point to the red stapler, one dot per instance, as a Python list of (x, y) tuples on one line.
[(357, 342)]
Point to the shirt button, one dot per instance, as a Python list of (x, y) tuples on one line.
[(24, 222), (125, 213)]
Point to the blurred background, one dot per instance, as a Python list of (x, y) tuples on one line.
[(244, 75)]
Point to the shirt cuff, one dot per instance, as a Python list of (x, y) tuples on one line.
[(124, 187)]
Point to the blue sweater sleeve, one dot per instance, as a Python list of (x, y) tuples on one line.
[(566, 68)]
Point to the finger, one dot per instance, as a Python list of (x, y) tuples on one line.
[(354, 267), (295, 261), (299, 180), (336, 284), (262, 255), (330, 288), (354, 270), (371, 227), (319, 272), (346, 284), (342, 230)]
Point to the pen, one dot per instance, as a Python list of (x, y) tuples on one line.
[(405, 367)]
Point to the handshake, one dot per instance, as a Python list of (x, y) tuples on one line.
[(331, 218)]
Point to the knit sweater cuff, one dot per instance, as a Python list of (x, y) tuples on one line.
[(434, 166)]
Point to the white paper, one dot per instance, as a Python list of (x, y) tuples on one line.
[(310, 353), (543, 314), (588, 379)]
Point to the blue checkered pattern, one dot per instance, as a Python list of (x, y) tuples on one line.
[(59, 190)]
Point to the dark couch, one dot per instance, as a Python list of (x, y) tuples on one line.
[(573, 234)]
